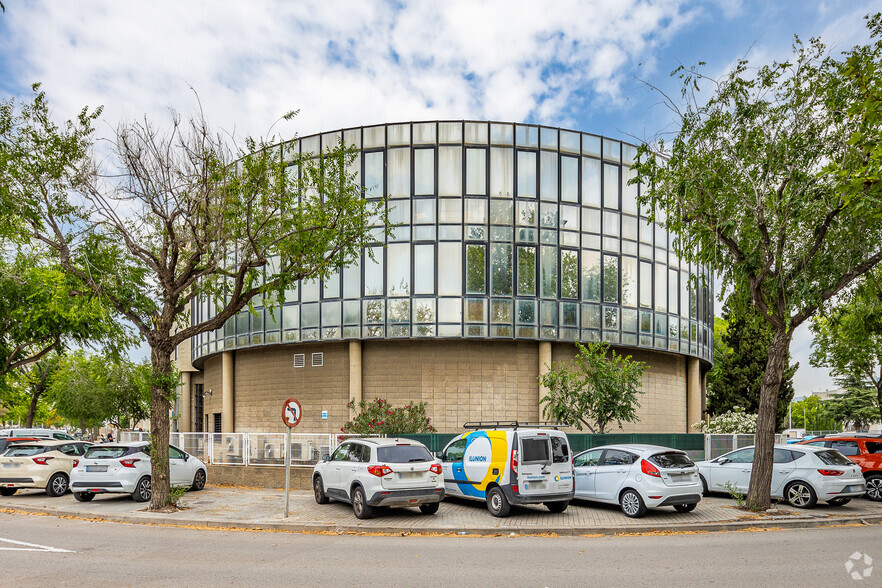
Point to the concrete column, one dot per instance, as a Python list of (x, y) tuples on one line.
[(355, 389), (693, 393), (228, 399), (544, 368), (185, 403)]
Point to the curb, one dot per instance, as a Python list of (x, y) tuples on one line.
[(222, 525)]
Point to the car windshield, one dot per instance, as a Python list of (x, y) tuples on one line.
[(403, 454), (25, 450), (105, 452), (671, 459), (833, 457)]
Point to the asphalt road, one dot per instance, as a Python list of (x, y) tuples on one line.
[(49, 551)]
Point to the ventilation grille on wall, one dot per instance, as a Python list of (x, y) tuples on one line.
[(299, 360), (318, 359)]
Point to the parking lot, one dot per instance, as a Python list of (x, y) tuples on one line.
[(257, 508)]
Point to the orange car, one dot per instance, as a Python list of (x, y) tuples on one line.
[(864, 450)]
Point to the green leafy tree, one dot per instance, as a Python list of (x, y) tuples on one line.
[(36, 376), (598, 387), (848, 339), (856, 406), (741, 351), (811, 414), (764, 183), (185, 214), (379, 417)]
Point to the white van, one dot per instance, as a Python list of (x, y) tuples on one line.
[(37, 433), (505, 463)]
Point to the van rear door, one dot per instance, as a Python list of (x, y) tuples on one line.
[(561, 463), (534, 470)]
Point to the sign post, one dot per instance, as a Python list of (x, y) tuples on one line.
[(291, 414)]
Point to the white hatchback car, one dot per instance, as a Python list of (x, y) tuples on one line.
[(370, 472), (637, 477), (801, 474), (125, 468)]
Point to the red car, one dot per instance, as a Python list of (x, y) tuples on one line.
[(864, 450)]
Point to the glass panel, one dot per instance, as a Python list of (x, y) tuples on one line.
[(661, 287), (399, 172), (501, 212), (331, 314), (398, 311), (527, 312), (526, 271), (424, 310), (548, 312), (629, 227), (291, 317), (590, 182), (310, 145), (569, 141), (610, 317), (373, 272), (424, 171), (629, 192), (591, 275), (610, 278), (424, 211), (569, 314), (548, 216), (309, 314), (423, 133), (476, 262), (373, 174), (449, 171), (450, 233), (398, 270), (569, 217), (352, 280), (351, 314), (661, 325), (476, 310), (548, 138), (501, 172), (610, 223), (450, 269), (423, 269), (629, 320), (612, 150), (526, 214), (645, 231), (398, 134), (569, 179), (629, 281), (399, 217), (549, 272), (450, 132), (476, 171), (590, 220), (672, 290), (500, 269), (610, 186), (684, 294), (331, 286), (548, 175), (375, 137), (645, 284), (310, 290), (501, 311), (590, 316), (569, 274), (501, 134), (476, 133), (526, 174), (527, 136), (591, 145), (476, 211), (449, 310), (450, 210)]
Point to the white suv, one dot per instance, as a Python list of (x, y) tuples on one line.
[(370, 472)]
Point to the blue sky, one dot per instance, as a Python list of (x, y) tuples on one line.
[(562, 63)]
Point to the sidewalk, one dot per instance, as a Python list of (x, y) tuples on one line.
[(263, 509)]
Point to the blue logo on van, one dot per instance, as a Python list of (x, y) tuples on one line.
[(482, 458)]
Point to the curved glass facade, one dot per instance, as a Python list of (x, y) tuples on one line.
[(505, 231)]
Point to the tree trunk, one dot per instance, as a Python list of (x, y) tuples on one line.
[(32, 409), (879, 394), (159, 428), (759, 492)]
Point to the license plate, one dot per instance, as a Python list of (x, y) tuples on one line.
[(96, 468), (853, 488), (408, 475), (681, 476)]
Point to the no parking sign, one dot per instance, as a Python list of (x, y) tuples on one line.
[(291, 413)]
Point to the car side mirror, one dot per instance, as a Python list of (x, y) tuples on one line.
[(326, 457), (186, 457), (722, 460)]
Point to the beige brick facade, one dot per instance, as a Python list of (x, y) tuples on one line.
[(459, 380)]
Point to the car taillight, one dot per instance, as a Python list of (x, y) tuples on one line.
[(379, 471), (129, 463), (435, 468), (831, 472), (41, 460), (76, 463), (649, 469), (514, 461)]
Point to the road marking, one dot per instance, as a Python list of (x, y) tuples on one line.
[(31, 547)]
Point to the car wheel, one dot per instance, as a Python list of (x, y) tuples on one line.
[(874, 487), (142, 490), (839, 501), (198, 481), (8, 491), (704, 490), (57, 485), (84, 496), (318, 487), (632, 504), (559, 506), (360, 506), (430, 508), (497, 503), (685, 507), (800, 495)]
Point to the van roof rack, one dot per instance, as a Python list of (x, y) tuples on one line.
[(513, 425)]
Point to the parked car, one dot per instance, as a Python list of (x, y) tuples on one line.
[(39, 433), (510, 464), (638, 477), (801, 474), (864, 450), (39, 464), (124, 468), (372, 472), (7, 442)]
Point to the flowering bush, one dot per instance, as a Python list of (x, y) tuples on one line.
[(378, 417), (734, 421)]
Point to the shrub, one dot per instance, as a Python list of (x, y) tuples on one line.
[(733, 421), (379, 417)]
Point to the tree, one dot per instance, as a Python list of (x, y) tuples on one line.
[(36, 377), (761, 184), (848, 339), (379, 417), (597, 388), (741, 351), (857, 406), (187, 215)]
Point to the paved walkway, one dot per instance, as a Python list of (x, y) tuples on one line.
[(257, 508)]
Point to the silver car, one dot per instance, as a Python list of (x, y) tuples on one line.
[(637, 477)]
